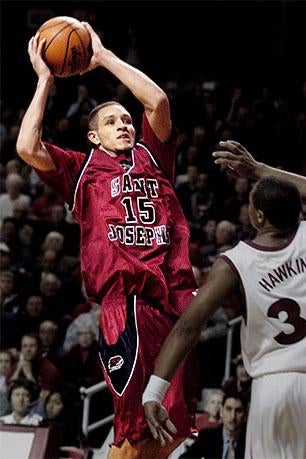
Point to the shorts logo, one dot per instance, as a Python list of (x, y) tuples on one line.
[(115, 363)]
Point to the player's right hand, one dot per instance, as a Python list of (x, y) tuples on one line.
[(35, 49), (159, 422)]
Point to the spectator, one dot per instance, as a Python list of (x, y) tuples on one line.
[(50, 341), (5, 260), (13, 185), (59, 412), (33, 367), (241, 381), (80, 365), (6, 362), (34, 314), (22, 394), (90, 319), (210, 418), (232, 205), (41, 206), (227, 440)]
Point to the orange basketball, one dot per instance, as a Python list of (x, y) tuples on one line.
[(67, 50)]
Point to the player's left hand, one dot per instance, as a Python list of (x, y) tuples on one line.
[(159, 422), (98, 50)]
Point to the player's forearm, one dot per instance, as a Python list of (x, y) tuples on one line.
[(263, 170), (29, 137), (143, 88), (178, 344), (176, 347)]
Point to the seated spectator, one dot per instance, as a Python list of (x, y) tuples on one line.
[(212, 400), (41, 207), (208, 241), (13, 184), (241, 382), (50, 340), (18, 240), (202, 201), (226, 237), (58, 412), (5, 260), (80, 366), (232, 205), (186, 189), (22, 394), (70, 230), (34, 314), (9, 300), (64, 264), (6, 362), (245, 230), (90, 319), (35, 368), (227, 440)]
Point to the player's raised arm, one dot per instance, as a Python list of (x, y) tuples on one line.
[(29, 145), (152, 97), (236, 157), (183, 337)]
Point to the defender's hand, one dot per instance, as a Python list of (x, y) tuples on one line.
[(158, 420), (235, 157)]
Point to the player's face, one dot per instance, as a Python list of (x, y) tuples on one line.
[(115, 130), (233, 415)]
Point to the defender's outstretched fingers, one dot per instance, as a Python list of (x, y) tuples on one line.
[(170, 426)]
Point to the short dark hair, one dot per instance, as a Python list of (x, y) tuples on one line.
[(31, 387), (35, 336), (93, 115), (236, 395), (279, 200)]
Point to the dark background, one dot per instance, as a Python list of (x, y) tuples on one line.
[(246, 42)]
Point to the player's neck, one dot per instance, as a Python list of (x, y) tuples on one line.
[(272, 236)]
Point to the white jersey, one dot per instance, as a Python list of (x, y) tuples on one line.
[(273, 334)]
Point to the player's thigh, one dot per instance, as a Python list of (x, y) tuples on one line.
[(276, 422)]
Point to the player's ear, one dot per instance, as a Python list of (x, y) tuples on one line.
[(93, 137), (260, 216)]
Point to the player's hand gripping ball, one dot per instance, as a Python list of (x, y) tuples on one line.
[(67, 50)]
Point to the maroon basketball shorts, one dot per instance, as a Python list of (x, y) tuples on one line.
[(128, 351)]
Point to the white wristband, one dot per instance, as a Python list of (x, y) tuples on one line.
[(155, 390)]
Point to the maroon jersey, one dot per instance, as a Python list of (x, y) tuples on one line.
[(134, 236)]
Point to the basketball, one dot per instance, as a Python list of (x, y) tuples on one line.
[(67, 49)]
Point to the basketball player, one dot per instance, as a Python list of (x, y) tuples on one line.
[(134, 238), (269, 275)]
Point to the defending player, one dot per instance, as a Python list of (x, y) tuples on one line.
[(269, 275), (134, 238)]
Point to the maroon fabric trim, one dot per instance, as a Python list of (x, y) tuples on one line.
[(265, 248)]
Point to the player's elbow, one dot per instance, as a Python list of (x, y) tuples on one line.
[(23, 150), (26, 150), (161, 102)]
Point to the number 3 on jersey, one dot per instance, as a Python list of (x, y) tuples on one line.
[(294, 318)]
